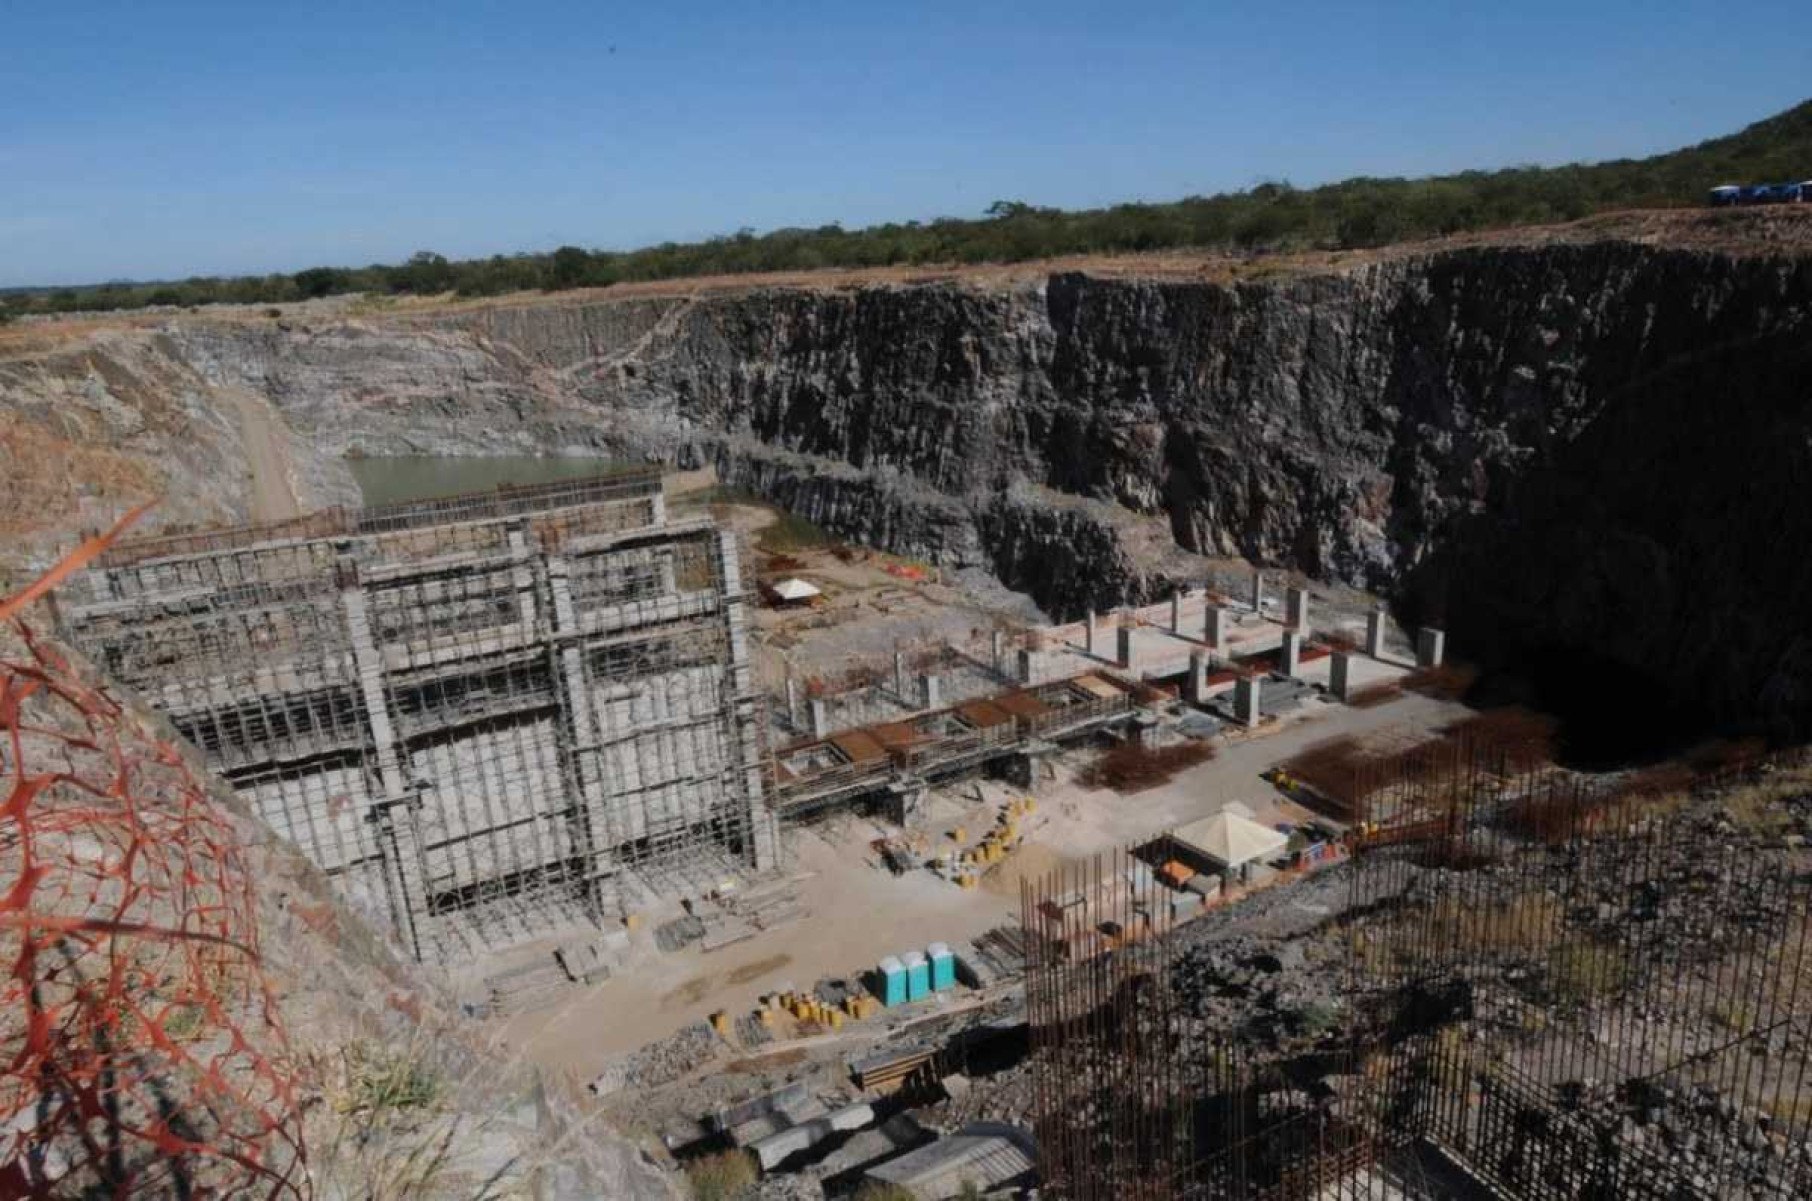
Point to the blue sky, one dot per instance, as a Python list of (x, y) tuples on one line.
[(160, 139)]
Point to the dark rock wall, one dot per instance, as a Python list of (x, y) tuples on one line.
[(1600, 447)]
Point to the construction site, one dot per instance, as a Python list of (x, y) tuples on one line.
[(809, 863)]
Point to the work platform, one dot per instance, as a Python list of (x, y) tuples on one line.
[(483, 716)]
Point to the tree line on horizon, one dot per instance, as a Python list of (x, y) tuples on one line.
[(1352, 214)]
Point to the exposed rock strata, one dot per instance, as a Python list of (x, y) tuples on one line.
[(1564, 446)]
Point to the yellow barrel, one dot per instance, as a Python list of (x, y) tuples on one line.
[(720, 1022), (959, 835), (836, 1020), (1030, 805), (631, 921)]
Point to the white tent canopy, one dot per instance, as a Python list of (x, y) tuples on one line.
[(795, 589), (1231, 840)]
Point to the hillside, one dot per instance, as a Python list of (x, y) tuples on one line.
[(1352, 214)]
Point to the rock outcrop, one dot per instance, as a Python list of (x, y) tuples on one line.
[(1600, 449)]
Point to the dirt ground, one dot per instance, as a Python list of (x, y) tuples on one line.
[(856, 911), (859, 913)]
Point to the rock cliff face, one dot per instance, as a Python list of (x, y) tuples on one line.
[(1594, 449)]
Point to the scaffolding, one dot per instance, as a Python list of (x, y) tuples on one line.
[(484, 716)]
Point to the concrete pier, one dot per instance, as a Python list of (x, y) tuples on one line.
[(1123, 647), (1296, 610), (1289, 659), (1340, 675), (1214, 627), (1431, 647), (1246, 698), (931, 692), (1374, 633), (1258, 592), (1176, 612)]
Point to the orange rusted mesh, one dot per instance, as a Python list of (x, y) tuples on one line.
[(143, 1052)]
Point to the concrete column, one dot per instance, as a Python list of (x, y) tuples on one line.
[(906, 801), (1196, 690), (522, 576), (1246, 699), (820, 720), (1339, 674), (1296, 609), (1258, 591), (931, 692), (999, 647), (899, 677), (764, 840), (1027, 665), (657, 508), (1374, 633), (405, 873), (1214, 628), (1088, 636), (792, 702), (1176, 612), (1123, 651), (1431, 647), (1289, 659), (591, 821)]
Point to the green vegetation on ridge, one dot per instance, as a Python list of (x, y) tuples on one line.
[(1352, 214)]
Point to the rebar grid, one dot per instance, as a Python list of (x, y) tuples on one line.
[(1565, 987)]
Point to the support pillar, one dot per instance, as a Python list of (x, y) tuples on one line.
[(1289, 659), (1123, 649), (792, 702), (1214, 629), (763, 845), (998, 645), (820, 720), (1374, 633), (1088, 633), (899, 677), (1296, 610), (1028, 665), (906, 802), (522, 576), (1246, 695), (1258, 591), (1176, 612), (1340, 674), (1196, 691), (1431, 647), (396, 814), (931, 692), (657, 508), (591, 822)]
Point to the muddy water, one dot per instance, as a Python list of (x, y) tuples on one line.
[(386, 481)]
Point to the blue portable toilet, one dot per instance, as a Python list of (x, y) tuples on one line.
[(918, 975), (943, 967), (893, 981)]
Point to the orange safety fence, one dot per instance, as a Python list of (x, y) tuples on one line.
[(141, 1050)]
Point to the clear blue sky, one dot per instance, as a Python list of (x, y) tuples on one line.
[(162, 138)]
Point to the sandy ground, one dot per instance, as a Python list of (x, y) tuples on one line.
[(859, 912)]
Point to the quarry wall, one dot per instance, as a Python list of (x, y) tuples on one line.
[(1595, 450)]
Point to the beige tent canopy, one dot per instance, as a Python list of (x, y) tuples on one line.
[(794, 589), (1231, 840)]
